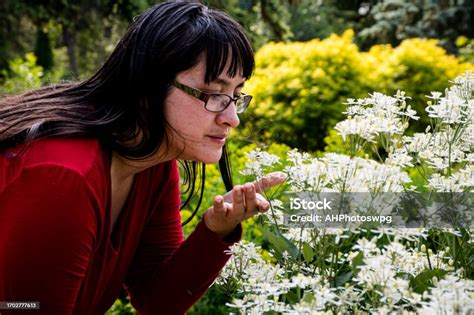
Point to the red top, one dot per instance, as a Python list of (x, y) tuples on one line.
[(56, 245)]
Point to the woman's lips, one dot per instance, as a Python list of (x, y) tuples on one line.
[(218, 139)]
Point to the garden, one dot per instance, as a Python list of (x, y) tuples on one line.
[(383, 126)]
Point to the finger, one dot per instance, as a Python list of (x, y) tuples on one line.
[(238, 204), (228, 196), (250, 198), (262, 204), (219, 206), (270, 180)]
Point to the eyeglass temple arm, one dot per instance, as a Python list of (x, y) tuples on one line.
[(193, 92)]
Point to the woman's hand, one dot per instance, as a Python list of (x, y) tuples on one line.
[(240, 204)]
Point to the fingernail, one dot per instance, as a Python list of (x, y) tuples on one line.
[(238, 190)]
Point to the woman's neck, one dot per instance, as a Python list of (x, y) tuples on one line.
[(122, 169)]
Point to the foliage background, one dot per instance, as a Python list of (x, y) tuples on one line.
[(311, 56)]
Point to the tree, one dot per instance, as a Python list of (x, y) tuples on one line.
[(265, 20), (392, 21), (318, 19), (81, 23)]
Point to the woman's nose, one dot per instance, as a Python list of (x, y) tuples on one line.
[(229, 116)]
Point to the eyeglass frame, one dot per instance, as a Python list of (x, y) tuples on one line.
[(203, 96)]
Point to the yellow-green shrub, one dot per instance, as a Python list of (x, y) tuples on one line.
[(23, 74), (417, 67), (299, 88)]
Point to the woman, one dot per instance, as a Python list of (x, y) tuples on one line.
[(89, 186)]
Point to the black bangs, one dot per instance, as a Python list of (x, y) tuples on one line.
[(225, 37)]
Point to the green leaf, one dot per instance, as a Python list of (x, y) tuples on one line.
[(292, 297), (404, 275), (308, 297), (356, 262), (308, 252), (280, 243), (423, 281), (342, 279), (277, 243)]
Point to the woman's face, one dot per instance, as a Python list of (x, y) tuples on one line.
[(197, 134)]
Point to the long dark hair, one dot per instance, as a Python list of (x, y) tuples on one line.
[(125, 97)]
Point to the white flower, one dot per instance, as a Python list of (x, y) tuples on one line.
[(435, 95), (356, 126), (377, 271), (464, 85), (418, 142), (459, 181), (450, 296), (258, 161), (376, 115), (297, 158), (301, 281), (399, 158), (468, 135), (304, 177), (368, 248), (410, 113), (450, 110), (300, 235), (457, 106)]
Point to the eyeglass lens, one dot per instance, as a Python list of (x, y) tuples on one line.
[(219, 102)]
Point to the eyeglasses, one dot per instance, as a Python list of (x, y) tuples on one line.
[(216, 102)]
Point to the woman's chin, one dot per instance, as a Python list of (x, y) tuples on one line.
[(207, 158), (212, 157), (211, 160)]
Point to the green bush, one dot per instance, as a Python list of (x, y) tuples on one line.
[(417, 67), (299, 88), (121, 306), (23, 74), (466, 48)]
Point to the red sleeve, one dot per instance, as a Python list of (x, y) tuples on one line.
[(48, 229), (169, 275)]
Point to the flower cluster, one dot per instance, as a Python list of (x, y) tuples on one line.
[(339, 173), (448, 148), (451, 295), (258, 162), (381, 282), (365, 270), (262, 283), (375, 115)]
